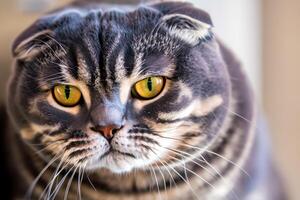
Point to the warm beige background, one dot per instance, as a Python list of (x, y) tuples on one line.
[(281, 84), (280, 81)]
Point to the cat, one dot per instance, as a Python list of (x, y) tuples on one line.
[(134, 101)]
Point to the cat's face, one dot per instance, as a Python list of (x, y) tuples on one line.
[(118, 90)]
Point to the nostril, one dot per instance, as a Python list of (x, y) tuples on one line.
[(94, 129), (115, 130)]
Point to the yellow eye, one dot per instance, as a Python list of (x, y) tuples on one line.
[(66, 95), (148, 88)]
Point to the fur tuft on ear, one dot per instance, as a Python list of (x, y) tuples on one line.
[(184, 8), (29, 43), (187, 28)]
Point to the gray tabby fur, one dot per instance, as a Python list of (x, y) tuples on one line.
[(215, 145)]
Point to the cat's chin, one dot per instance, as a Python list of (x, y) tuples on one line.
[(118, 170), (114, 162)]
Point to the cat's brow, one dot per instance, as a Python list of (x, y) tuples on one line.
[(83, 72)]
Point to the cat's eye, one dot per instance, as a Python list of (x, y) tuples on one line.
[(148, 88), (66, 95)]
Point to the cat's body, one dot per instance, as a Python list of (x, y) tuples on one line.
[(228, 159)]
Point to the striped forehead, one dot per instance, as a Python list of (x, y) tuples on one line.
[(122, 64), (109, 51)]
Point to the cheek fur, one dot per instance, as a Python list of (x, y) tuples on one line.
[(28, 133)]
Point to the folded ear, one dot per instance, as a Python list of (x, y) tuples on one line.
[(184, 8), (187, 28), (31, 42), (186, 21)]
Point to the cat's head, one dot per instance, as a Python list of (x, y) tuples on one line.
[(119, 90)]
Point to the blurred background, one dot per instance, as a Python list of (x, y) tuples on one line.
[(265, 35)]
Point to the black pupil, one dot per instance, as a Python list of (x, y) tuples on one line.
[(67, 91), (149, 84)]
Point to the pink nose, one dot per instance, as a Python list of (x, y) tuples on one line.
[(107, 131), (107, 120)]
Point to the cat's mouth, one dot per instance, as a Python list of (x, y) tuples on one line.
[(114, 152), (115, 160)]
